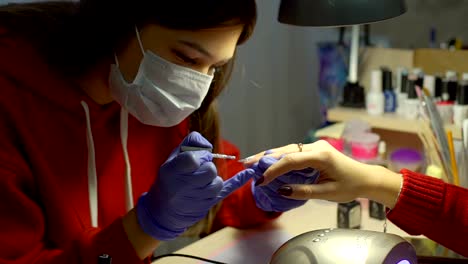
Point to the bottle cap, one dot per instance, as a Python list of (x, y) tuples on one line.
[(418, 71), (412, 94), (382, 147), (104, 259), (402, 77), (387, 79), (451, 75), (376, 81), (465, 76), (438, 87), (404, 83), (462, 94)]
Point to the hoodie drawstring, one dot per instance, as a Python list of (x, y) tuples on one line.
[(128, 170), (92, 174)]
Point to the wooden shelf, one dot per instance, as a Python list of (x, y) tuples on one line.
[(388, 121)]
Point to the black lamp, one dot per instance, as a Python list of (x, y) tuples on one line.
[(330, 13), (326, 13)]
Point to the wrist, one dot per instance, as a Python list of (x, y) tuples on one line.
[(143, 244), (382, 185)]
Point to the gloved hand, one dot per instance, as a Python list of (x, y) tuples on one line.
[(267, 198), (186, 188)]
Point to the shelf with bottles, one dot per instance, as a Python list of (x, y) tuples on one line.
[(386, 121)]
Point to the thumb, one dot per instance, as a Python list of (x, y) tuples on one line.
[(236, 182), (322, 191), (195, 139)]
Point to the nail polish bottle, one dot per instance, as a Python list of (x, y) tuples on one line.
[(375, 100), (412, 102), (389, 94), (449, 88), (460, 109), (349, 215), (402, 94)]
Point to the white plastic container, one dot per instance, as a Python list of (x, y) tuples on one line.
[(429, 84), (375, 99)]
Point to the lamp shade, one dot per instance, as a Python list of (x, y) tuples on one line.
[(320, 13)]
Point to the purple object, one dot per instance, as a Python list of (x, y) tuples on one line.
[(406, 155), (406, 158)]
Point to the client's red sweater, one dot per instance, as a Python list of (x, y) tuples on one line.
[(433, 208)]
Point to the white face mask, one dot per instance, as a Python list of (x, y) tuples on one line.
[(163, 93)]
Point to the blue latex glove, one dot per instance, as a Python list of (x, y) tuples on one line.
[(267, 198), (186, 188)]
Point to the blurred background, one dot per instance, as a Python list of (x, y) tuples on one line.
[(273, 97)]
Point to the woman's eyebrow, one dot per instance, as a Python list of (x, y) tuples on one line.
[(196, 47)]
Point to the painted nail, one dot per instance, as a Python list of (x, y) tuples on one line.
[(285, 191), (260, 181)]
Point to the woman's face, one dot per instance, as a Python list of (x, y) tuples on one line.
[(201, 50)]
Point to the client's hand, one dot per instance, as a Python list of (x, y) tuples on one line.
[(341, 178)]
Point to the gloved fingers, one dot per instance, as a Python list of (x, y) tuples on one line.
[(299, 177), (323, 191), (186, 162), (195, 139), (235, 182), (206, 192), (262, 200), (280, 203), (203, 176), (265, 162), (201, 207)]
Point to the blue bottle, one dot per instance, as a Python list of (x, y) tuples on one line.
[(389, 94)]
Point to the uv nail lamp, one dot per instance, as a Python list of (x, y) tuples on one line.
[(345, 246)]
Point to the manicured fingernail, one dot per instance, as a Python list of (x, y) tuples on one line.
[(285, 191), (260, 181)]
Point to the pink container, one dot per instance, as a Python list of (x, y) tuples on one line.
[(364, 146), (337, 143)]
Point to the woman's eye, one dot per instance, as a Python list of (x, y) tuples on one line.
[(186, 59)]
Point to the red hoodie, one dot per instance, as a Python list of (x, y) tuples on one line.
[(44, 167)]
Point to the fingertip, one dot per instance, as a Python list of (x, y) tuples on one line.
[(285, 191), (260, 181), (218, 183)]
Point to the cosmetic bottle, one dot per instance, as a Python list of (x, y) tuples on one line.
[(438, 88), (389, 94), (375, 100), (418, 72), (412, 102), (349, 215), (429, 84), (449, 87), (402, 79), (460, 109)]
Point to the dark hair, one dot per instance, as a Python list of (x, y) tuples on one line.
[(75, 36)]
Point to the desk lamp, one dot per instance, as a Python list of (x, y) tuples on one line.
[(332, 13), (343, 245)]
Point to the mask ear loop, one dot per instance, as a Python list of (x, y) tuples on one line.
[(139, 43), (139, 40), (116, 60)]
